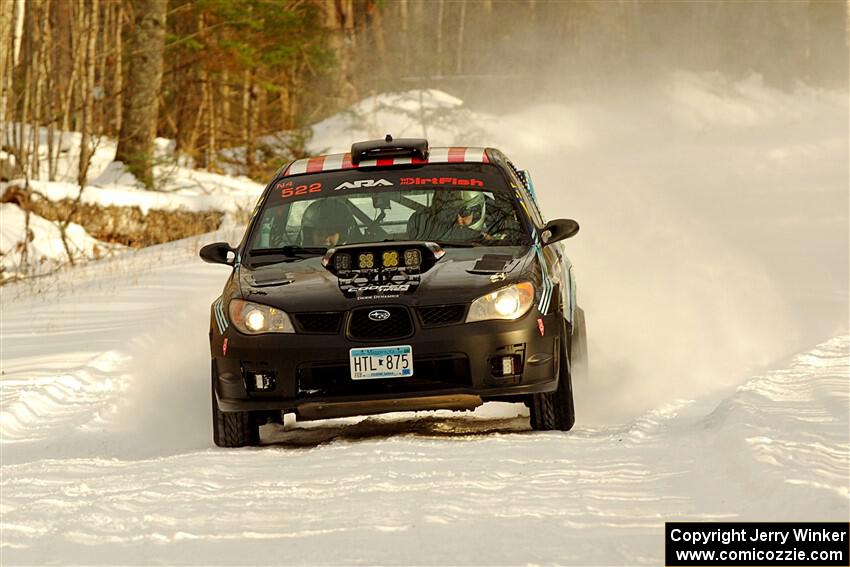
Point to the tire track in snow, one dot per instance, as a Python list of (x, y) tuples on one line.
[(381, 489), (120, 366)]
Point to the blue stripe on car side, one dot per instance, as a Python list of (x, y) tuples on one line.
[(548, 286), (546, 294), (217, 318), (219, 315)]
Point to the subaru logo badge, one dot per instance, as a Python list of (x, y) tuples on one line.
[(379, 315)]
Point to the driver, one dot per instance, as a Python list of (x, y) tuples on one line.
[(471, 210), (454, 215), (326, 222)]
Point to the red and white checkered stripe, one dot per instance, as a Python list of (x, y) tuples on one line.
[(336, 162)]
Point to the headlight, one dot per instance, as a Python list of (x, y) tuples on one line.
[(508, 303), (255, 319)]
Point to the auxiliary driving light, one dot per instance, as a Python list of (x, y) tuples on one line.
[(342, 262), (412, 258), (507, 365), (260, 381), (504, 366), (390, 259), (366, 260)]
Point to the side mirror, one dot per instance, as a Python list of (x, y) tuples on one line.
[(557, 230), (218, 253)]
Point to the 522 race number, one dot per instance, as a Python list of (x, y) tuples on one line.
[(288, 189)]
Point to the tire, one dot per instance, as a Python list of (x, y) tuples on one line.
[(578, 348), (555, 410), (233, 428)]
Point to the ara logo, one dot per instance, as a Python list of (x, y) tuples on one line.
[(379, 315), (363, 183)]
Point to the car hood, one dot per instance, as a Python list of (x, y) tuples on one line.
[(458, 277)]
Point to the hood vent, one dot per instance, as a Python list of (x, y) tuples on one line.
[(494, 263)]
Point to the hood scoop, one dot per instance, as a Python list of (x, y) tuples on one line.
[(494, 264), (269, 278)]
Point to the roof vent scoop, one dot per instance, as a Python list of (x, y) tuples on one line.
[(389, 148)]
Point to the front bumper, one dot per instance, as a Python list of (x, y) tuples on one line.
[(455, 367)]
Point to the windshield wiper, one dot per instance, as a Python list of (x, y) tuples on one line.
[(456, 244), (291, 251)]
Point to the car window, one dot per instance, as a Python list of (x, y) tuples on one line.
[(461, 204), (480, 217)]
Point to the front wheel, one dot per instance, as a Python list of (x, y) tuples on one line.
[(233, 428), (555, 410)]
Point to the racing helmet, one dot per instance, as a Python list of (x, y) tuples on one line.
[(324, 217), (473, 203)]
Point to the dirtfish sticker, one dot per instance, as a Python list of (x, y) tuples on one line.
[(441, 181)]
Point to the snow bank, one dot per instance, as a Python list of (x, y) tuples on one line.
[(40, 244), (179, 188), (220, 197), (429, 113)]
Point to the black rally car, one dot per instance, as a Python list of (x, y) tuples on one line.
[(396, 277)]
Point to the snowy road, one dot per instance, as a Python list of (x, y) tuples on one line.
[(107, 458), (713, 249)]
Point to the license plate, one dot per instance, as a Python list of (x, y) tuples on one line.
[(381, 362)]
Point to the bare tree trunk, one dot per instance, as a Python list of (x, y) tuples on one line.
[(377, 25), (118, 76), (223, 114), (22, 140), (49, 82), (7, 17), (286, 106), (104, 53), (141, 103), (417, 9), (461, 25), (209, 95), (20, 7), (339, 23), (87, 90), (66, 95), (441, 8), (36, 84), (194, 133), (247, 135), (254, 115), (404, 18)]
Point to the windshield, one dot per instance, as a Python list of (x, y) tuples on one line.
[(463, 204)]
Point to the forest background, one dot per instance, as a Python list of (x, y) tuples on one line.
[(236, 83)]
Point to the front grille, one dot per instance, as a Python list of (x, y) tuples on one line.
[(327, 323), (441, 315), (397, 325), (429, 373)]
